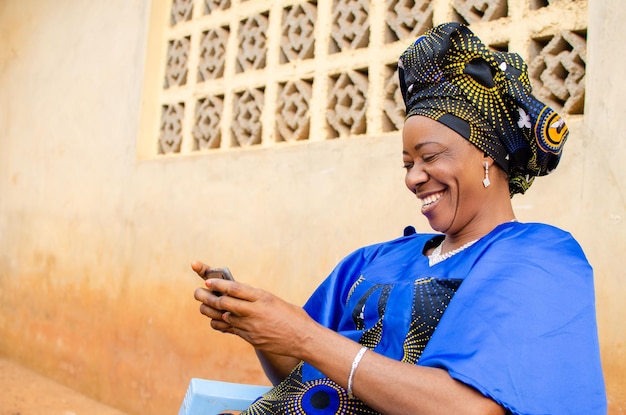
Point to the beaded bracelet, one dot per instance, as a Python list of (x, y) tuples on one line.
[(355, 363)]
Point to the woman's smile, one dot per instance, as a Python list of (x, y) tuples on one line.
[(430, 201)]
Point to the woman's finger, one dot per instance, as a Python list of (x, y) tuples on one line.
[(233, 290), (210, 312), (200, 268), (222, 326)]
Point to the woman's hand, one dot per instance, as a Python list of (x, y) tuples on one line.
[(265, 321)]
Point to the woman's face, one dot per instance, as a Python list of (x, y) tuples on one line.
[(445, 171)]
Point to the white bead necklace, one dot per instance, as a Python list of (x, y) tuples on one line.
[(436, 256)]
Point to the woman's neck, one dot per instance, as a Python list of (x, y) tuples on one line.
[(477, 228)]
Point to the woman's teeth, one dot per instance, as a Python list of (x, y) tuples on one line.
[(431, 199)]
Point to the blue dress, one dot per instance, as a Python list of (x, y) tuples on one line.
[(512, 316)]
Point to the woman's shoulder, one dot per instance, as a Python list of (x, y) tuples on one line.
[(537, 242), (531, 232)]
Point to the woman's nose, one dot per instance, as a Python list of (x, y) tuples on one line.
[(415, 176)]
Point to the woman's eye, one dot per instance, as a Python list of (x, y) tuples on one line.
[(429, 157), (407, 166)]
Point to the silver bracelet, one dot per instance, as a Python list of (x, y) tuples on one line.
[(355, 363)]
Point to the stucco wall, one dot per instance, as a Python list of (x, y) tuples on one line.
[(603, 203), (95, 246)]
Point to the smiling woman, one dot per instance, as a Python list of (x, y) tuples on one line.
[(488, 316)]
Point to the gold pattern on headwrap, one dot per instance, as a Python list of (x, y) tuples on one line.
[(449, 75)]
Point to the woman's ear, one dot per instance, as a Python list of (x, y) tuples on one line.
[(493, 170), (487, 159)]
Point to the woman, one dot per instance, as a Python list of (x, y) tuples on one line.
[(512, 303)]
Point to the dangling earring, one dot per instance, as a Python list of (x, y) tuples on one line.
[(486, 181)]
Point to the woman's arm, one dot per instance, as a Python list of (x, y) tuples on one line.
[(276, 367), (400, 388), (275, 327)]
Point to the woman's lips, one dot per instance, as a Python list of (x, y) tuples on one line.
[(429, 201)]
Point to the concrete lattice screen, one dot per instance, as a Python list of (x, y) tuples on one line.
[(243, 74)]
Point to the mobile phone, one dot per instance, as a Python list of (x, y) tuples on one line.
[(223, 273)]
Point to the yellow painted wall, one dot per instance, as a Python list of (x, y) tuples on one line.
[(95, 246)]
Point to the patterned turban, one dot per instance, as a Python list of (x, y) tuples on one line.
[(450, 76)]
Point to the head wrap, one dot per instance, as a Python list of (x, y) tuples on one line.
[(450, 76)]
